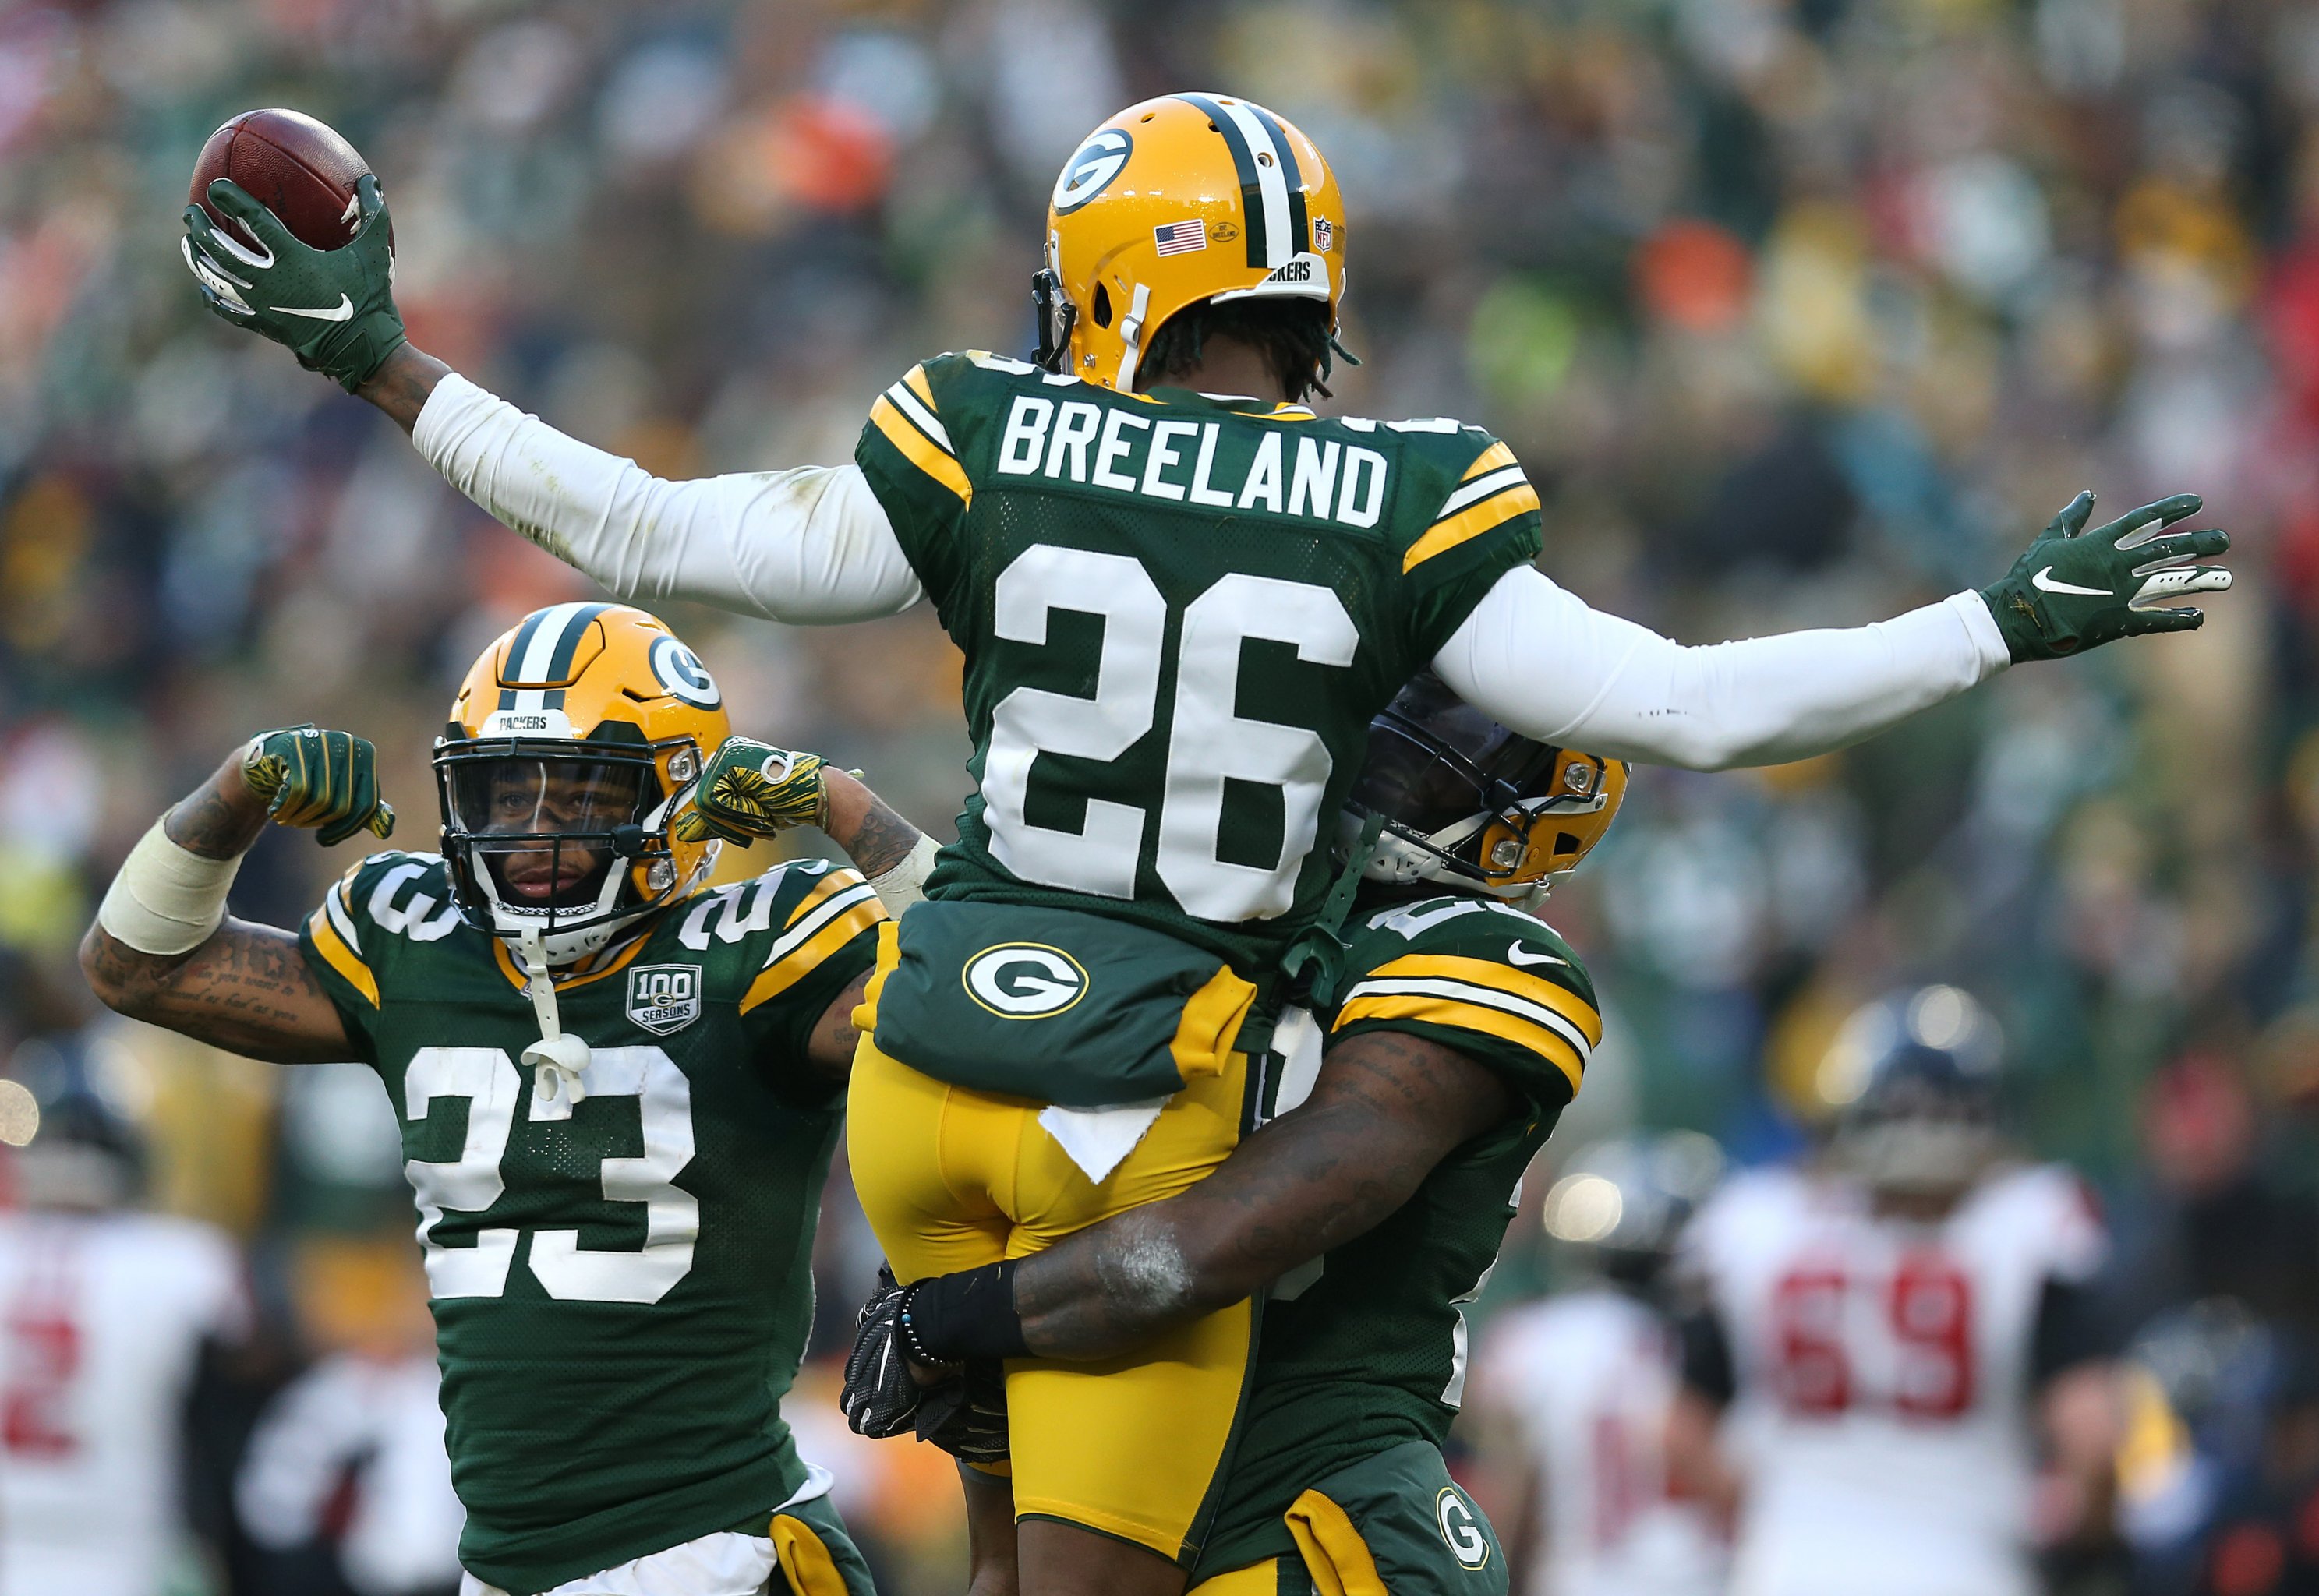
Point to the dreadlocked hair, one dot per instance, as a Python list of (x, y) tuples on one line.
[(1292, 335)]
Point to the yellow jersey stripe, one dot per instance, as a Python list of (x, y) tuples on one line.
[(779, 976), (1450, 1014), (342, 958), (920, 450), (1502, 977), (1497, 455), (916, 378), (834, 882), (1469, 524)]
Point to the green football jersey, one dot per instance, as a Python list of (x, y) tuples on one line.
[(1178, 614), (621, 1288), (1365, 1348)]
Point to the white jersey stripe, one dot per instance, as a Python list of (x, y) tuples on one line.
[(911, 406), (824, 912), (1481, 488), (1537, 1013)]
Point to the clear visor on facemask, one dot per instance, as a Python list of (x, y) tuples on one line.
[(548, 829)]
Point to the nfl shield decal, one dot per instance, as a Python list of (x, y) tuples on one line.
[(665, 997)]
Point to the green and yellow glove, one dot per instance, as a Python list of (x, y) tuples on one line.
[(333, 309), (2076, 590), (318, 781), (750, 790)]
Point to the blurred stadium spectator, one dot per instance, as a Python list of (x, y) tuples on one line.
[(1797, 310)]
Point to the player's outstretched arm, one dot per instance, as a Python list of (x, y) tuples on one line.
[(1387, 1107), (164, 949), (1542, 662), (810, 546)]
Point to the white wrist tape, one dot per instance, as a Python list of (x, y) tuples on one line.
[(906, 883), (165, 899)]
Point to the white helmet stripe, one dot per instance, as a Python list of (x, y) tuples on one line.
[(540, 658), (1272, 183)]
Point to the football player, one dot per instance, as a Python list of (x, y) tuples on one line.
[(1181, 595), (1573, 1393), (103, 1313), (619, 1091), (1885, 1342), (1440, 1040)]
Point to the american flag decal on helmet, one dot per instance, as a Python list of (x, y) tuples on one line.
[(1181, 238)]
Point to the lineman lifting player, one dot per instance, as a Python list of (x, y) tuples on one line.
[(1178, 613)]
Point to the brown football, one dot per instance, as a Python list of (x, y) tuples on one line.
[(298, 168)]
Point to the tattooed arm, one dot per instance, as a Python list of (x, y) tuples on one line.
[(1386, 1109), (246, 988), (875, 839)]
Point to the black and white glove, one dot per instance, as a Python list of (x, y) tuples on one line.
[(880, 1398)]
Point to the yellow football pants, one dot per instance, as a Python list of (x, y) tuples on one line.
[(954, 1179)]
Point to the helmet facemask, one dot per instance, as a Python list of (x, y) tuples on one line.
[(1469, 804), (565, 839)]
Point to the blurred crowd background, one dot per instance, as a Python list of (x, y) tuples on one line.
[(1800, 311)]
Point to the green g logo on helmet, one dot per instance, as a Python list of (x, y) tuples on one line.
[(1025, 980)]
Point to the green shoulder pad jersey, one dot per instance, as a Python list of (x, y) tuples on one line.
[(1364, 1349), (621, 1289), (1178, 614)]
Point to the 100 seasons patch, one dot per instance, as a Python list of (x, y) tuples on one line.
[(665, 997)]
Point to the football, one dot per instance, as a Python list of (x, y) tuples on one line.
[(297, 167)]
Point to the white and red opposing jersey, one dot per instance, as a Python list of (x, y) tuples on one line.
[(1881, 1420), (1587, 1377), (101, 1319)]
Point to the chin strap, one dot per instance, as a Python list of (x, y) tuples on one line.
[(556, 1059)]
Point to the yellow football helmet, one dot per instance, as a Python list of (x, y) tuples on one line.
[(1183, 200), (1470, 805), (569, 743)]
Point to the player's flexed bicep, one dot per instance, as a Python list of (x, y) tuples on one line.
[(163, 949)]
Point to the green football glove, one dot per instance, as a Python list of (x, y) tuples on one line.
[(318, 781), (333, 309), (750, 790), (2076, 590)]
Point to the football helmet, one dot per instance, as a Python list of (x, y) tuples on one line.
[(1181, 201), (1624, 1202), (1915, 1079), (1471, 804), (570, 744)]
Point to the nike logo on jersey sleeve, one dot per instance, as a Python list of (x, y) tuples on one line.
[(1518, 954)]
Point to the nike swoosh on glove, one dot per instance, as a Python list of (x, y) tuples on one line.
[(333, 309), (879, 1398), (2073, 589)]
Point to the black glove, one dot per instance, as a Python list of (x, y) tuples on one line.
[(880, 1397), (966, 1416)]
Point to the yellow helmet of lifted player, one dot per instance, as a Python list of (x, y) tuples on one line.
[(569, 744), (1468, 804), (1181, 201)]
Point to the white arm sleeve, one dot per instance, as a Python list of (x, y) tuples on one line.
[(1539, 660), (809, 546)]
